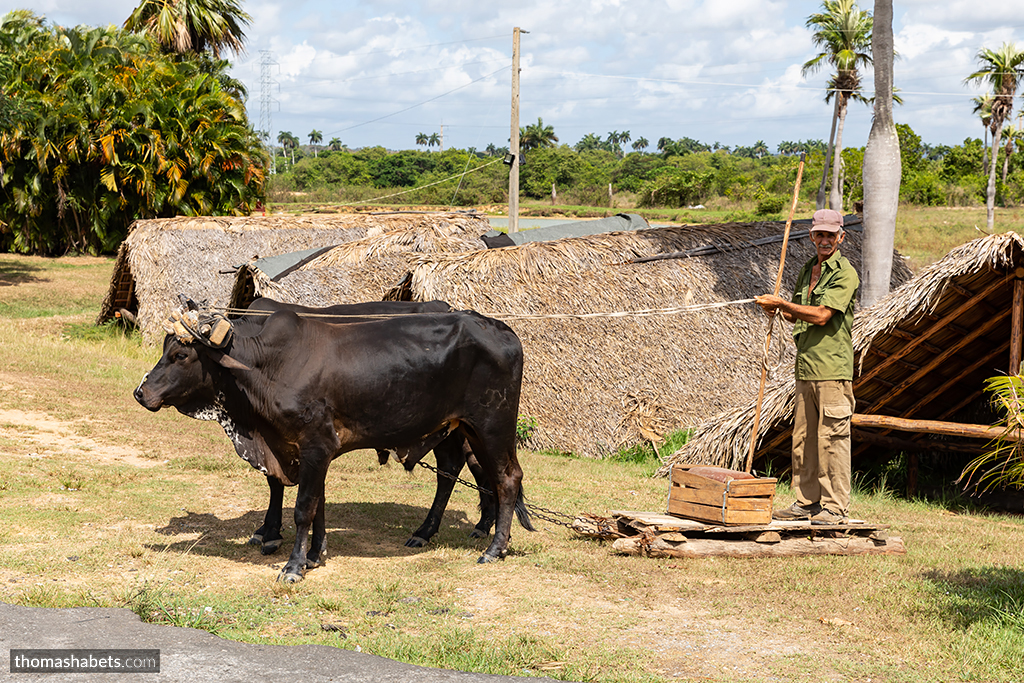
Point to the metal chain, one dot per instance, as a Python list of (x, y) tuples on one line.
[(537, 511)]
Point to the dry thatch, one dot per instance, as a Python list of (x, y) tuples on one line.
[(199, 256), (360, 270), (922, 353), (599, 384)]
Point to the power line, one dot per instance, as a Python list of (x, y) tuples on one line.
[(420, 104)]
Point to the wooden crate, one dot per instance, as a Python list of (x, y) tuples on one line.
[(714, 494)]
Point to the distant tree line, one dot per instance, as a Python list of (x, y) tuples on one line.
[(680, 173)]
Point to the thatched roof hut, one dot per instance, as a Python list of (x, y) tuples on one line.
[(595, 385), (360, 270), (921, 356), (199, 256)]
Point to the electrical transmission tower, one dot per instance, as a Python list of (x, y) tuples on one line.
[(267, 84)]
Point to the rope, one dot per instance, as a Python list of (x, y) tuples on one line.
[(675, 310)]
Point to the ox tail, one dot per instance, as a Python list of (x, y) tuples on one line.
[(522, 513)]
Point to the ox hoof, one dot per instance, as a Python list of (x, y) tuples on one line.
[(257, 539), (289, 575), (270, 547), (416, 542), (478, 533), (487, 559)]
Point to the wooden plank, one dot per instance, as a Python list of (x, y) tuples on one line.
[(688, 495), (934, 329), (786, 547), (726, 517), (684, 478), (740, 488), (933, 427), (1017, 327)]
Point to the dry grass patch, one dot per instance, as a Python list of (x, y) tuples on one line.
[(107, 504)]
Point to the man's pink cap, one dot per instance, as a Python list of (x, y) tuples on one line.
[(827, 220)]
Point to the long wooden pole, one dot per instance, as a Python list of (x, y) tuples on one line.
[(513, 146), (933, 427), (768, 337)]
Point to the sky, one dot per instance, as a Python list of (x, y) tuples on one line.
[(378, 72)]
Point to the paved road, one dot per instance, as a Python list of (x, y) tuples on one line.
[(192, 656)]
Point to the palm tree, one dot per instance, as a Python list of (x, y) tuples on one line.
[(490, 150), (315, 138), (881, 168), (422, 139), (335, 144), (288, 142), (983, 109), (434, 140), (1013, 134), (640, 144), (843, 33), (192, 25), (1002, 70), (760, 149), (537, 135)]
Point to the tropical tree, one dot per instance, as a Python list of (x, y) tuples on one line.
[(422, 139), (1002, 70), (842, 32), (1013, 134), (983, 110), (882, 169), (589, 143), (434, 140), (335, 144), (192, 26), (760, 149), (640, 144), (114, 130), (537, 135), (288, 142), (315, 138)]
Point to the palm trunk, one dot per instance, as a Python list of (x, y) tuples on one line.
[(990, 200), (822, 191), (882, 168), (1006, 162), (835, 198), (984, 152)]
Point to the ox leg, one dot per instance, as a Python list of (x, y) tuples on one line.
[(494, 447), (268, 536), (308, 504), (450, 459), (318, 544), (488, 503)]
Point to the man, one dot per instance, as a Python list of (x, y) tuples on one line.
[(822, 313)]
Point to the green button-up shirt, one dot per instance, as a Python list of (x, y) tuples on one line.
[(825, 352)]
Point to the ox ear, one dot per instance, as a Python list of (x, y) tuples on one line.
[(231, 364)]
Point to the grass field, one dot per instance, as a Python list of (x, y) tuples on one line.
[(106, 504)]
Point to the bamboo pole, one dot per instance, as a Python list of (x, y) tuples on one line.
[(768, 336)]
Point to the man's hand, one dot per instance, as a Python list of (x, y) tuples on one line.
[(769, 302)]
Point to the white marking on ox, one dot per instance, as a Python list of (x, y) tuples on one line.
[(215, 413)]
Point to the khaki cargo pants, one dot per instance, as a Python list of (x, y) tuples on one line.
[(821, 443)]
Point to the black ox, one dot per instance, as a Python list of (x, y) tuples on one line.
[(293, 393), (451, 454)]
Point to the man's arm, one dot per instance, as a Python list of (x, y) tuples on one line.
[(815, 315)]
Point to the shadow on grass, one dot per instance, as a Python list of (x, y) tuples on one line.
[(354, 529), (983, 594), (17, 273)]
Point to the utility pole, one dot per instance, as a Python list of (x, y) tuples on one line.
[(513, 174)]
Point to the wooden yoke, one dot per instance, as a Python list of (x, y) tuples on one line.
[(768, 337)]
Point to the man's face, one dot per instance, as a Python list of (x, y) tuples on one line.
[(826, 242)]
